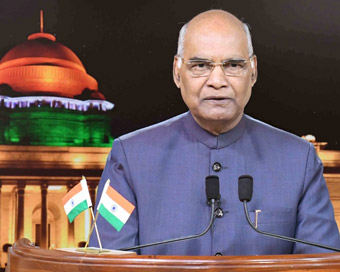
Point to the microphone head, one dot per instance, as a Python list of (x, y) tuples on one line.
[(245, 188), (212, 187)]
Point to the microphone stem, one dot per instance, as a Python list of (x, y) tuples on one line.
[(280, 236), (212, 218)]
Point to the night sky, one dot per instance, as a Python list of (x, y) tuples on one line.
[(128, 46)]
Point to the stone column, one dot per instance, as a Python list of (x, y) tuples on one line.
[(20, 208), (70, 225), (43, 220)]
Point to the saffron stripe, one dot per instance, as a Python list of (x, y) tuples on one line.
[(82, 206), (75, 190), (113, 220), (120, 200)]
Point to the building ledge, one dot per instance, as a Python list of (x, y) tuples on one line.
[(52, 157)]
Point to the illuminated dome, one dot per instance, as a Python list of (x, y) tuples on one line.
[(41, 65), (48, 99), (43, 45)]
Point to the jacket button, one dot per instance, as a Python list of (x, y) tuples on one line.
[(218, 254), (216, 167)]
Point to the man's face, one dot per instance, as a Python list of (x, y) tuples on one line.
[(216, 98)]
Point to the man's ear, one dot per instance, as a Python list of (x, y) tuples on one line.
[(176, 71), (253, 64)]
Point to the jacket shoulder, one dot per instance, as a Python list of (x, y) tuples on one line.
[(274, 136), (155, 133)]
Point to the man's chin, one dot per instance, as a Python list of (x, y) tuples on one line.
[(217, 117)]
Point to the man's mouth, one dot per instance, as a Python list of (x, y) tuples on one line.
[(216, 98)]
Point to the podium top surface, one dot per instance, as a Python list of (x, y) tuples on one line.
[(24, 256)]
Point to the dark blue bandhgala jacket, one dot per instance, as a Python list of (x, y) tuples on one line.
[(161, 170)]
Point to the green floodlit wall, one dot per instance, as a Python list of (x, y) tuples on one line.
[(54, 127)]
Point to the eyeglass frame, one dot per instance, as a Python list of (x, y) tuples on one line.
[(214, 64)]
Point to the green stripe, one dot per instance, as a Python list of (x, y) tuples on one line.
[(113, 220), (82, 206)]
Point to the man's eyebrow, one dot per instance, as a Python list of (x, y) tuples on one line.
[(198, 59), (225, 60), (235, 60)]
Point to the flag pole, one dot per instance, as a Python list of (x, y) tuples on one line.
[(95, 226), (88, 237), (91, 230)]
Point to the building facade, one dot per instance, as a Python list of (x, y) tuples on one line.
[(54, 128)]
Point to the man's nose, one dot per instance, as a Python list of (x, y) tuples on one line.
[(217, 78)]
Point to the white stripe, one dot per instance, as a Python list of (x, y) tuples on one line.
[(86, 192), (78, 198), (119, 211), (87, 223)]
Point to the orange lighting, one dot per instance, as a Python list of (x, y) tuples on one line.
[(43, 65), (41, 21)]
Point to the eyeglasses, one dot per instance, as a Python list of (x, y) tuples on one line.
[(230, 67)]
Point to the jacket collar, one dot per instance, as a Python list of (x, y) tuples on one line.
[(213, 141)]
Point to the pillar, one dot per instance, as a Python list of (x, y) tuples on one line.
[(20, 210), (70, 225), (43, 220)]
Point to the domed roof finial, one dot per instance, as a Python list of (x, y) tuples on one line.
[(41, 21), (41, 34)]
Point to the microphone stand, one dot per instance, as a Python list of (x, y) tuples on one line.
[(285, 238), (212, 219)]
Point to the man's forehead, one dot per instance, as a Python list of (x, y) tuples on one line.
[(214, 19), (215, 15), (215, 33), (221, 44)]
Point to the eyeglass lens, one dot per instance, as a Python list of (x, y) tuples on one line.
[(229, 67)]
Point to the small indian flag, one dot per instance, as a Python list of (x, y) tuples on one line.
[(77, 200), (114, 207)]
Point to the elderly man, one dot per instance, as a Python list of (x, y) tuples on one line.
[(161, 169)]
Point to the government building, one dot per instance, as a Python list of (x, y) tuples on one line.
[(54, 128)]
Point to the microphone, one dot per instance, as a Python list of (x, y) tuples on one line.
[(245, 192), (212, 190)]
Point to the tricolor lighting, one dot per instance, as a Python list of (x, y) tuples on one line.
[(54, 102)]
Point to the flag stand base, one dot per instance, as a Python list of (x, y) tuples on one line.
[(92, 250), (96, 250)]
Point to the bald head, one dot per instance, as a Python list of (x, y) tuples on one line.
[(215, 20)]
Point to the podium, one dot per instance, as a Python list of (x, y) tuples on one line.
[(25, 257)]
